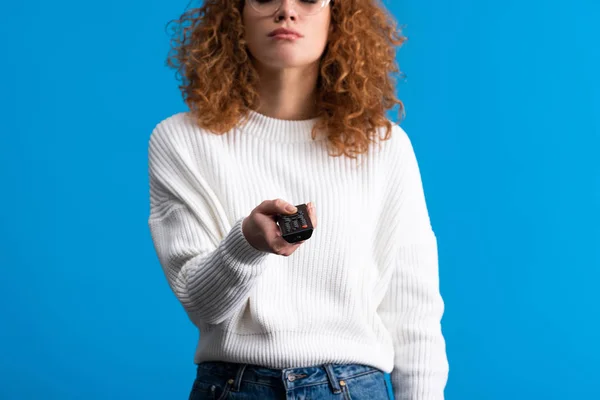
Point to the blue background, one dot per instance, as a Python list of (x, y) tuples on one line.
[(502, 104)]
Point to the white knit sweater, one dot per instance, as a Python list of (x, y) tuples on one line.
[(363, 289)]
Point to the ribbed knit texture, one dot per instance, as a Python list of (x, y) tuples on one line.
[(363, 289)]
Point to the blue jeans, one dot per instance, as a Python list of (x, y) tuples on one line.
[(218, 380)]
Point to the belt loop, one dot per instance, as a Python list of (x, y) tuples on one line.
[(332, 378), (238, 377)]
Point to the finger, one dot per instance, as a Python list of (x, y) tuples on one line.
[(277, 206), (280, 243)]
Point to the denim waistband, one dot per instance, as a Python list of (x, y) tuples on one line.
[(291, 378)]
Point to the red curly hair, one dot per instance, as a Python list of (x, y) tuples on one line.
[(354, 88)]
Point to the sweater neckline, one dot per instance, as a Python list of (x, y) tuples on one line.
[(280, 130)]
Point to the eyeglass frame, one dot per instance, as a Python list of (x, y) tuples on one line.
[(294, 1)]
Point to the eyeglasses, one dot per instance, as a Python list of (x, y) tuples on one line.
[(303, 7)]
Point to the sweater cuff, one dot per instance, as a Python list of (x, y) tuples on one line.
[(235, 248), (418, 387)]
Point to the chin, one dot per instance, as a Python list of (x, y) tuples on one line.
[(286, 62)]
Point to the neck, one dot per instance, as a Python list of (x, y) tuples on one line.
[(288, 94)]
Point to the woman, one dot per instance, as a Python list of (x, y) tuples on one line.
[(328, 316)]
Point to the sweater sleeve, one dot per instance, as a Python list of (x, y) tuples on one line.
[(412, 307), (211, 273)]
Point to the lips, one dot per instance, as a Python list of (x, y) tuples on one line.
[(284, 31)]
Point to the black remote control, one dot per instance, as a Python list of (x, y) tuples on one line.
[(295, 227)]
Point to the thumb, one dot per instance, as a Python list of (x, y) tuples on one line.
[(277, 206)]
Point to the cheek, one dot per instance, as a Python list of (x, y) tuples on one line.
[(324, 27), (252, 39), (250, 33), (320, 34), (248, 21)]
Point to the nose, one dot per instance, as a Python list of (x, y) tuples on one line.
[(286, 10)]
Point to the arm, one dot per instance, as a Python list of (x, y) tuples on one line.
[(412, 308), (210, 273)]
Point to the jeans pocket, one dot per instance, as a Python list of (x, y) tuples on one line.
[(210, 389), (221, 391), (201, 391), (371, 386)]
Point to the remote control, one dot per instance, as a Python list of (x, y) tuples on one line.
[(295, 227)]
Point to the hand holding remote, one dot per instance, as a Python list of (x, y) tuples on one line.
[(297, 227), (262, 232)]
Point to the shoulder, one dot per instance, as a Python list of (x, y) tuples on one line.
[(400, 155), (171, 126), (398, 143), (402, 141), (174, 133)]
